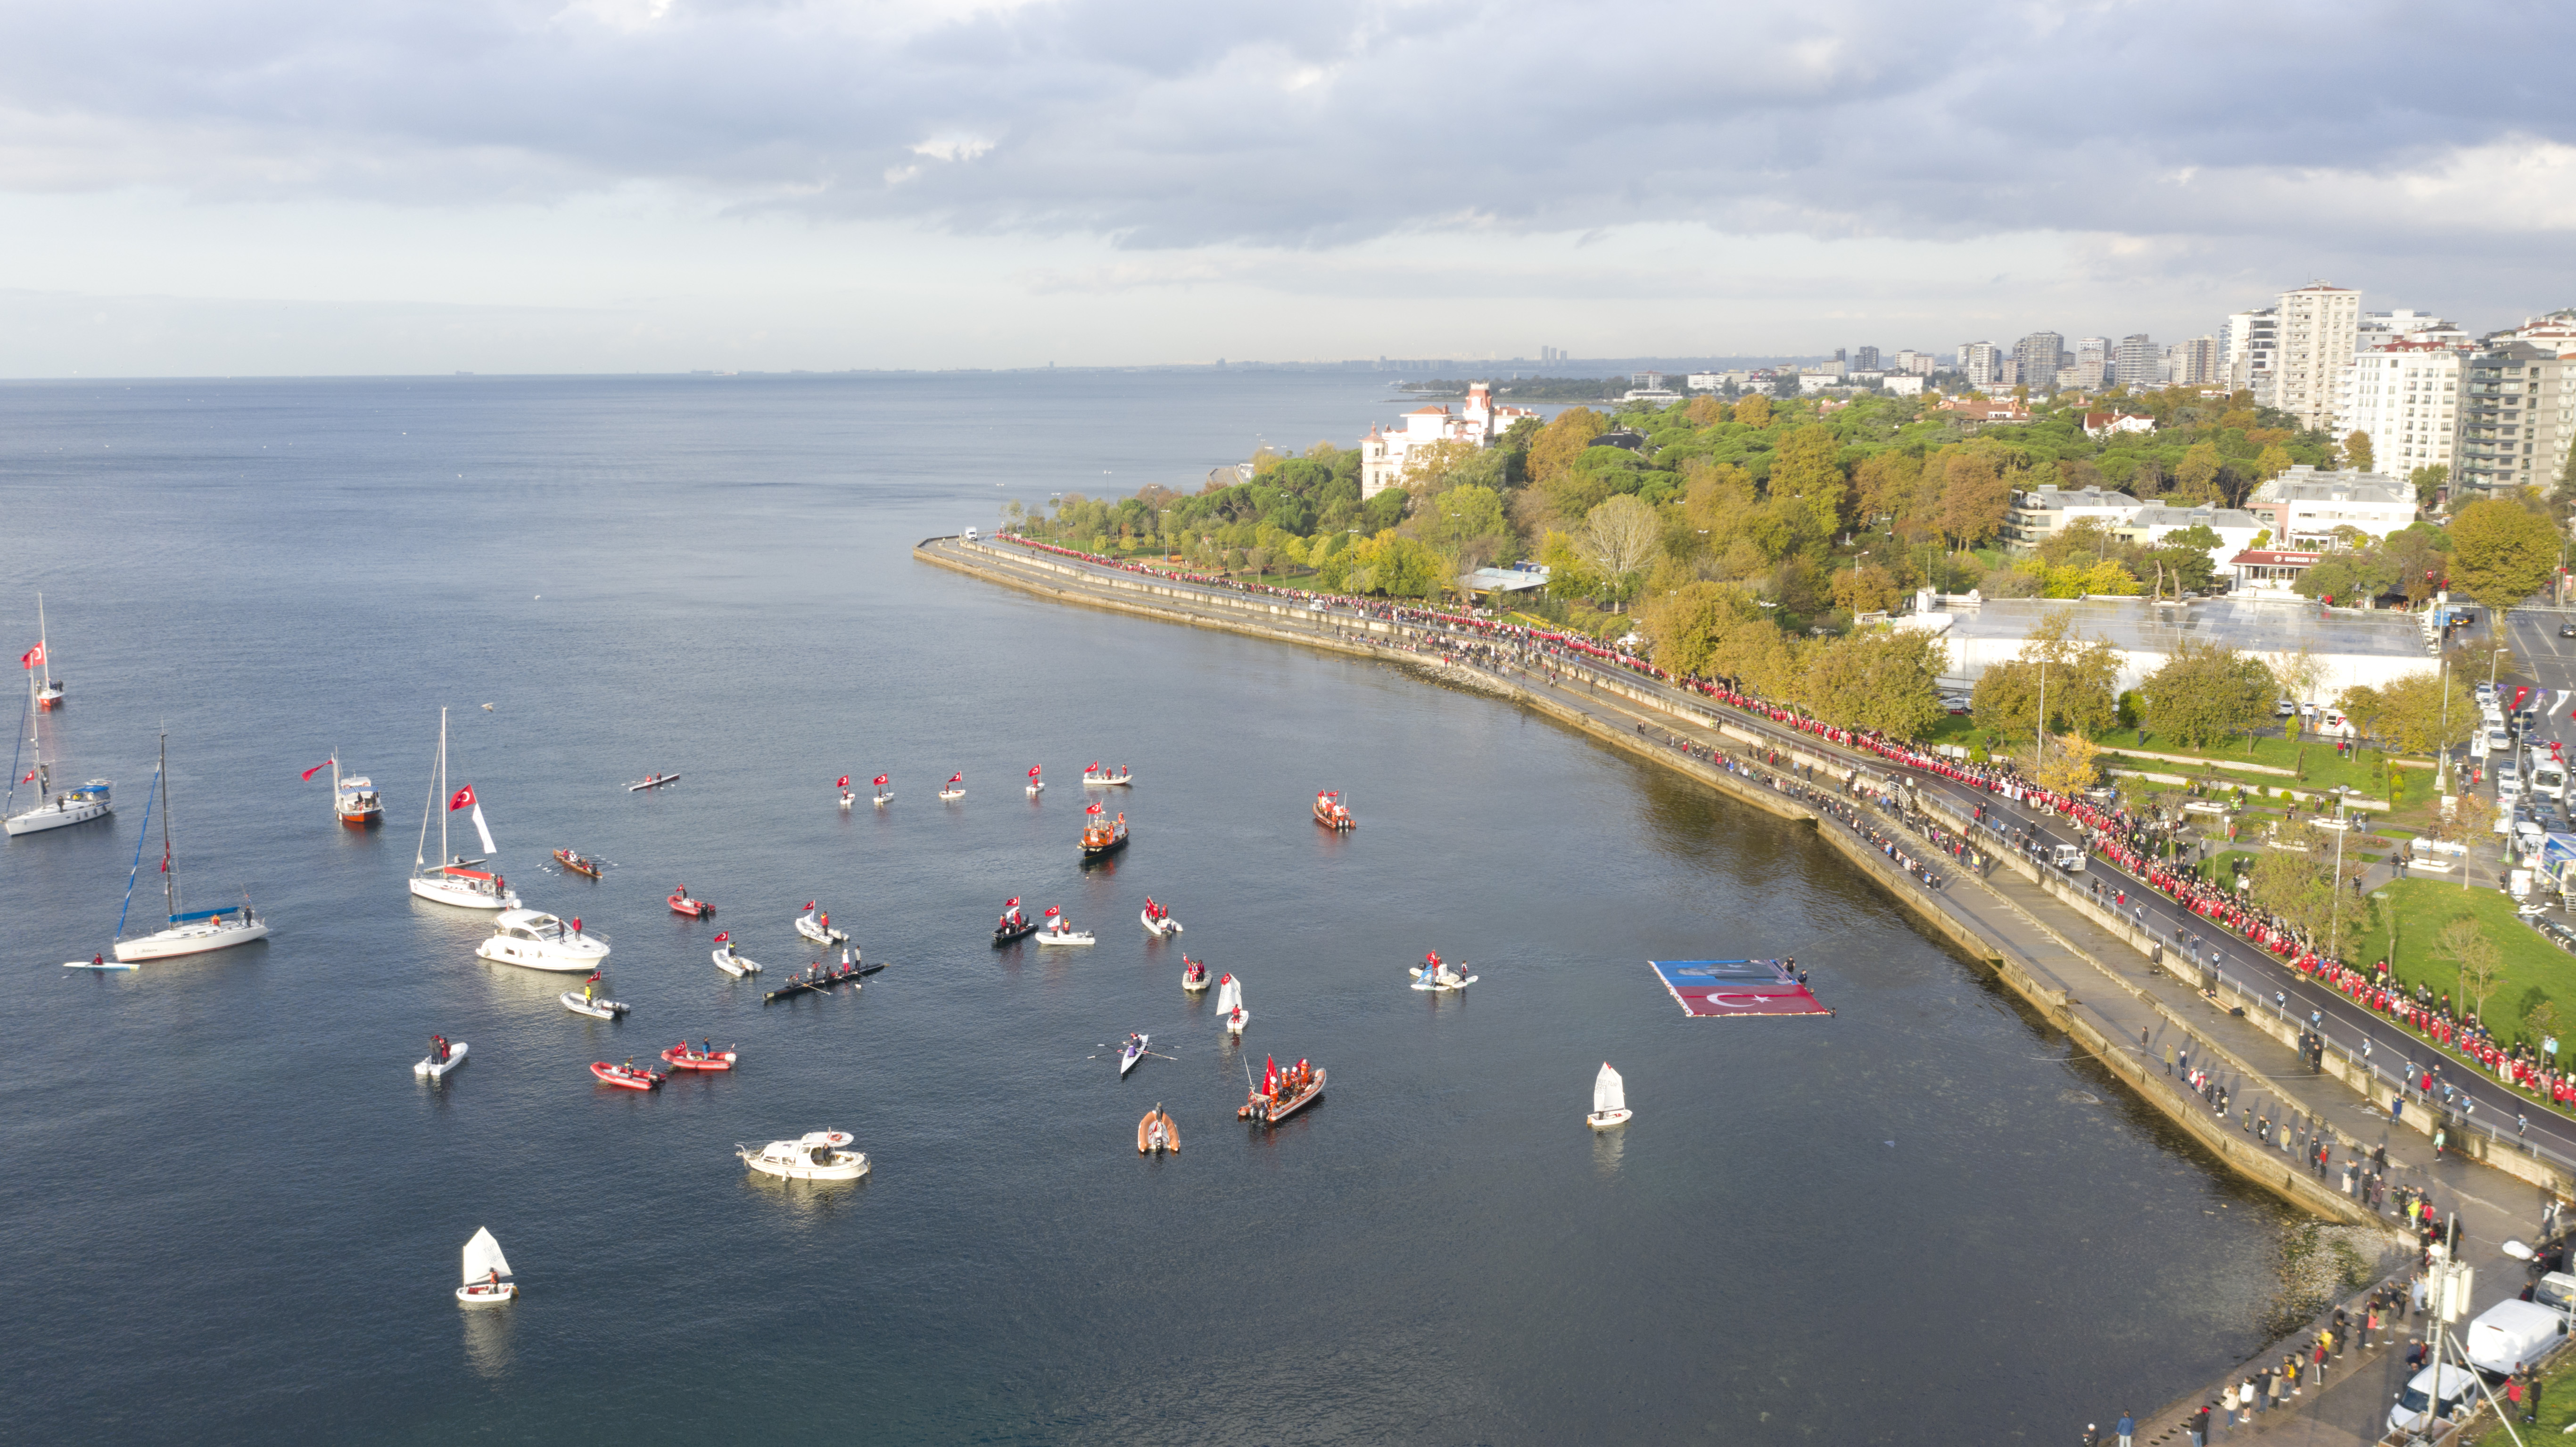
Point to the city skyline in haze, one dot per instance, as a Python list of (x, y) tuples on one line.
[(672, 185)]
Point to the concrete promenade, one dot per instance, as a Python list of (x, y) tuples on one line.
[(2099, 979)]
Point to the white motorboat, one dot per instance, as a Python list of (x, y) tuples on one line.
[(814, 1156), (487, 1273), (1133, 1051), (1229, 1005), (1159, 926), (458, 881), (49, 689), (436, 1069), (1059, 930), (1097, 777), (52, 810), (192, 932), (539, 941), (816, 925), (597, 1009), (731, 963), (1194, 975), (1609, 1100), (1037, 785)]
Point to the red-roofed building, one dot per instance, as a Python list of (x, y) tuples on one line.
[(2103, 424), (2269, 572)]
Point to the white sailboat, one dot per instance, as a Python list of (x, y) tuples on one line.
[(1229, 1005), (191, 933), (49, 692), (456, 881), (51, 811), (487, 1272), (1609, 1100)]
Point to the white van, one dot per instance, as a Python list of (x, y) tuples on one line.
[(2511, 1335), (2415, 1407), (2549, 780), (970, 535)]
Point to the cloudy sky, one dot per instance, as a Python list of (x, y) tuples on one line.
[(325, 186)]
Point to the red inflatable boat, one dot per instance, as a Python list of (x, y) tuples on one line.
[(682, 1057), (625, 1077), (693, 908)]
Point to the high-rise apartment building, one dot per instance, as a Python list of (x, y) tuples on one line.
[(1865, 359), (1982, 362), (2406, 396), (1921, 364), (2138, 362), (2516, 415), (2040, 354), (2193, 363), (2246, 352), (2092, 365), (2317, 326)]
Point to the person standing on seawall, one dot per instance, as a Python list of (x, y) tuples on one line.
[(2200, 1427), (2127, 1425)]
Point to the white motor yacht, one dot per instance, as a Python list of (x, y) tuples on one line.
[(540, 941), (815, 1156)]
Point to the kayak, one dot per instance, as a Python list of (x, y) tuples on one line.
[(1134, 1052), (98, 964), (681, 1057), (655, 782), (626, 1078), (596, 1009), (576, 863), (435, 1068)]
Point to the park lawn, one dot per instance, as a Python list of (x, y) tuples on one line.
[(2363, 773), (2557, 1412), (2424, 906)]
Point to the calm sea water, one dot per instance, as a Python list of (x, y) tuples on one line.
[(233, 1215)]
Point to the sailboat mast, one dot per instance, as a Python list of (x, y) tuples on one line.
[(169, 875), (443, 855), (44, 650), (420, 851)]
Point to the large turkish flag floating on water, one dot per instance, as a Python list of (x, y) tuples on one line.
[(1709, 988)]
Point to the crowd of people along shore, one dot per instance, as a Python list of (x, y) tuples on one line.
[(2132, 843)]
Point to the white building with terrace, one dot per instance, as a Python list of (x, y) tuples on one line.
[(1475, 422)]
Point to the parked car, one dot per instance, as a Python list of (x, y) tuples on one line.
[(2286, 708), (2416, 1407), (2567, 630)]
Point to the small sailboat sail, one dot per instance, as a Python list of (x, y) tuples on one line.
[(1229, 1005), (487, 1272), (1609, 1100)]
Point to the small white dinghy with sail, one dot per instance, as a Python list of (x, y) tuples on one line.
[(1059, 930), (1229, 1005), (487, 1273), (816, 924), (815, 1156), (731, 963), (444, 1055), (191, 932), (1609, 1100)]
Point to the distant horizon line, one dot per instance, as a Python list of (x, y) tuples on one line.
[(1398, 370)]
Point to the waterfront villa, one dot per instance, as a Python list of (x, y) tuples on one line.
[(1476, 422)]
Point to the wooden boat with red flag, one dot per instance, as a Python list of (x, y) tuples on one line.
[(1282, 1093), (576, 862), (627, 1076), (703, 1056), (1101, 838), (683, 903), (1331, 812)]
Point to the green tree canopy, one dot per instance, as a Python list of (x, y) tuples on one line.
[(2207, 692), (2501, 552)]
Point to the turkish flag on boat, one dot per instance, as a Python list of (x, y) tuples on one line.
[(317, 768), (723, 935), (1050, 911), (1033, 770), (845, 782), (879, 781), (809, 904), (165, 857), (30, 774), (957, 778), (1092, 768), (464, 799), (1012, 903), (1094, 809), (1269, 1074), (32, 656)]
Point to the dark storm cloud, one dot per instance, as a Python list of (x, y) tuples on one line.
[(1168, 124)]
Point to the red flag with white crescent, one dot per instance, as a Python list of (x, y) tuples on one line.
[(1012, 903), (1033, 770), (464, 799), (32, 656), (317, 768), (1092, 768), (845, 782), (30, 774), (1050, 911), (1094, 809), (723, 935), (879, 781), (957, 778), (809, 904)]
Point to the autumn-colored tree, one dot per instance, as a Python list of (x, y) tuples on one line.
[(2071, 762), (1684, 627), (2415, 714), (1618, 539), (2356, 450), (1716, 497), (2196, 479), (1887, 485), (1879, 678), (2080, 680), (1427, 468), (1869, 589), (1705, 411), (1975, 495), (1808, 466), (1754, 411), (2274, 460), (1563, 440), (2501, 552)]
